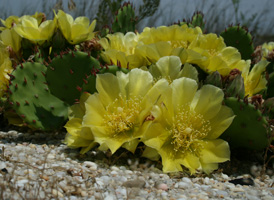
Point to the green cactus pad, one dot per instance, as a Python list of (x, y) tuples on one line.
[(68, 72), (30, 98), (240, 38), (125, 20), (249, 127)]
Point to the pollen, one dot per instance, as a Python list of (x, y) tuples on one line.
[(122, 115), (187, 130)]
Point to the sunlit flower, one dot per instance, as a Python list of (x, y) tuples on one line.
[(177, 36), (77, 135), (30, 29), (254, 80), (186, 127), (5, 69), (170, 68), (214, 55), (120, 50), (116, 114), (75, 31)]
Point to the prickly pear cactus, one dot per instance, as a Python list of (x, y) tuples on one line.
[(240, 38), (125, 19), (68, 72), (30, 97), (249, 128)]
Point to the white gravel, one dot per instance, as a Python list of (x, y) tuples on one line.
[(39, 166)]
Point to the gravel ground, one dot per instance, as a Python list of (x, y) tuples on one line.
[(38, 166)]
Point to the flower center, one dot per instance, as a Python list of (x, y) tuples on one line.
[(121, 115), (187, 130)]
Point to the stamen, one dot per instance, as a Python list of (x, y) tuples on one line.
[(122, 115), (187, 130)]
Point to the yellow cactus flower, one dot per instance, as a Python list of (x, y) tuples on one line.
[(30, 29), (177, 36), (120, 50), (186, 127), (10, 38), (75, 31), (78, 136), (5, 68), (116, 114), (9, 22), (170, 68), (254, 80), (214, 55)]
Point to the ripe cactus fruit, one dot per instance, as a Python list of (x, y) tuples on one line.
[(30, 97), (249, 128), (68, 72), (125, 19), (240, 38)]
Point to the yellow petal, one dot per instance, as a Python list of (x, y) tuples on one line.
[(94, 111), (139, 83), (220, 122), (151, 154), (107, 86), (184, 90), (189, 71), (215, 151), (208, 101)]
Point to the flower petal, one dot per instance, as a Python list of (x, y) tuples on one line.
[(208, 101)]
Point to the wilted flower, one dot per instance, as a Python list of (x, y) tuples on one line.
[(186, 127), (116, 114), (75, 31)]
